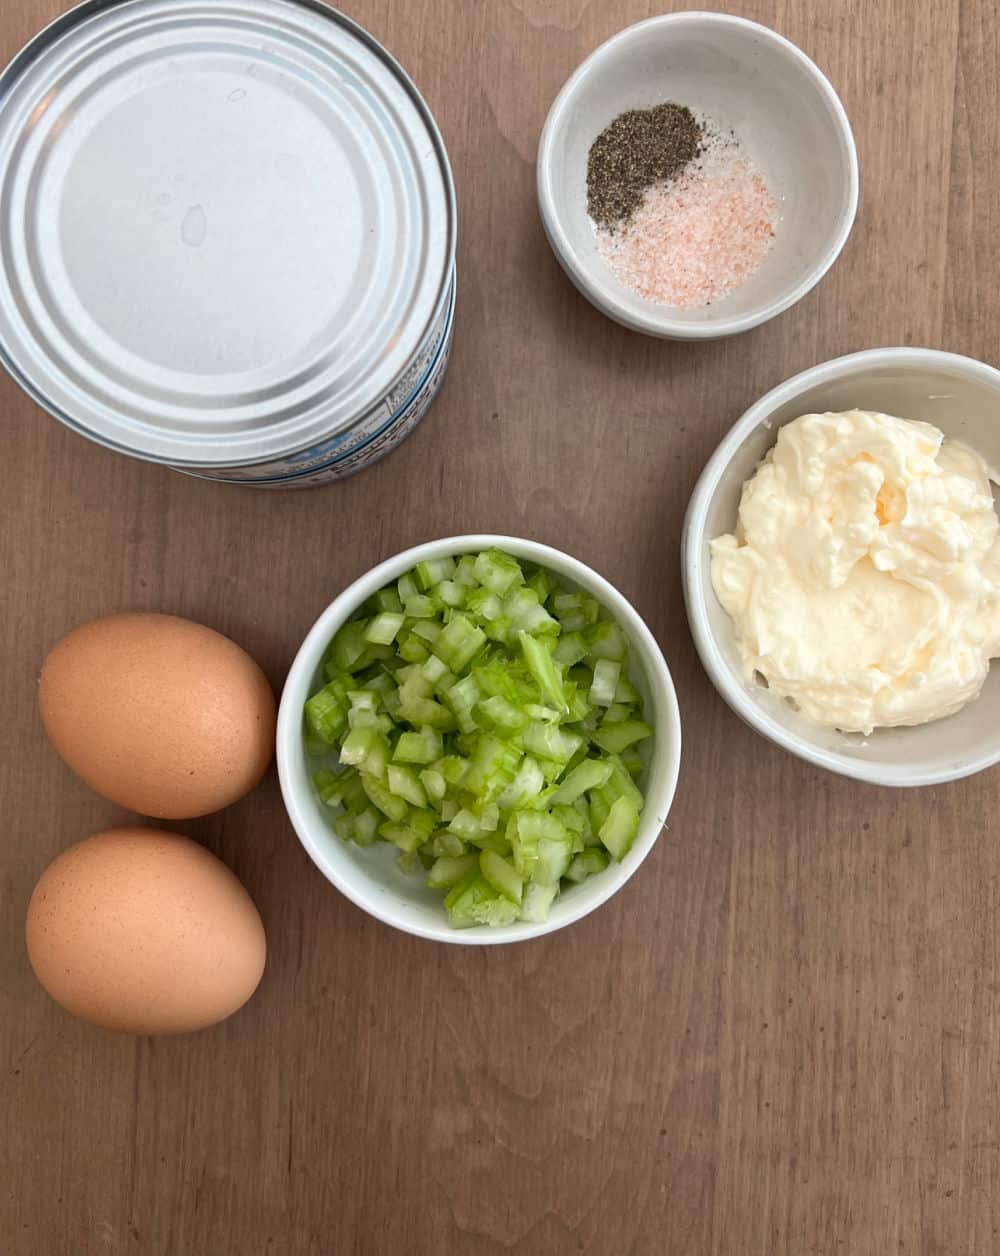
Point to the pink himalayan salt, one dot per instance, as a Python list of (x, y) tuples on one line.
[(696, 238)]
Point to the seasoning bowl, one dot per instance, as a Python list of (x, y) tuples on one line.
[(369, 876), (962, 398), (748, 79)]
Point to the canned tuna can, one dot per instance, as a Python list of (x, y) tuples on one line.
[(227, 237)]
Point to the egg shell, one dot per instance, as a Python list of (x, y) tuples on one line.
[(163, 716), (146, 932)]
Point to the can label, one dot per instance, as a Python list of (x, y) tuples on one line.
[(379, 430)]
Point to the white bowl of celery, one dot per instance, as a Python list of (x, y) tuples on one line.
[(479, 740)]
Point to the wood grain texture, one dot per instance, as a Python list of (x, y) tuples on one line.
[(780, 1038)]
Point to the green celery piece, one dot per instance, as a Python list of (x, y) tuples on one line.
[(627, 692), (473, 901), (618, 713), (361, 828), (605, 682), (507, 678), (450, 594), (547, 741), (619, 829), (423, 746), (498, 630), (348, 647), (328, 786), (573, 621), (540, 584), (526, 785), (497, 571), (409, 862), (526, 830), (326, 713), (554, 857), (633, 762), (483, 605), (416, 710), (570, 649), (433, 570), (403, 782), (614, 738), (492, 766), (599, 808), (407, 586), (606, 641), (428, 630), (535, 711), (565, 601), (445, 843), (579, 705), (525, 613), (448, 870), (420, 607), (536, 902), (380, 797), (432, 671), (411, 832), (502, 875), (591, 609), (358, 745), (434, 784), (586, 864), (391, 701), (620, 784), (386, 599), (571, 819), (499, 713), (383, 628), (412, 648), (462, 698), (585, 776), (459, 642), (465, 571), (466, 825), (543, 669), (453, 768)]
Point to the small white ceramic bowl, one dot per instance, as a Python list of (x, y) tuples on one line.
[(962, 398), (370, 877), (750, 80)]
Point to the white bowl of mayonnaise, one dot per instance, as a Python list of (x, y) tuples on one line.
[(843, 582)]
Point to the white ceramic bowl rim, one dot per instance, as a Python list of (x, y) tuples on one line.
[(694, 557), (590, 282), (290, 748)]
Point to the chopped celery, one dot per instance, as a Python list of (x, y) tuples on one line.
[(541, 666), (488, 730), (619, 829), (403, 782), (586, 775), (424, 746), (433, 570), (587, 864), (326, 713), (605, 682), (383, 628), (497, 571), (473, 901), (536, 901), (502, 875), (448, 870), (614, 738)]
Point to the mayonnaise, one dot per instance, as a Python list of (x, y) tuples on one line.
[(864, 577)]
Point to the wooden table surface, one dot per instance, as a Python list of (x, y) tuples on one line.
[(782, 1036)]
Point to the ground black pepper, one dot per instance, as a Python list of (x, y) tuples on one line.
[(641, 147)]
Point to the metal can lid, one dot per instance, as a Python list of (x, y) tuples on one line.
[(226, 226)]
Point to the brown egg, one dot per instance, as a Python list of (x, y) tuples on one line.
[(160, 715), (146, 932)]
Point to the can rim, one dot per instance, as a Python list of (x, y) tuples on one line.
[(64, 23)]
